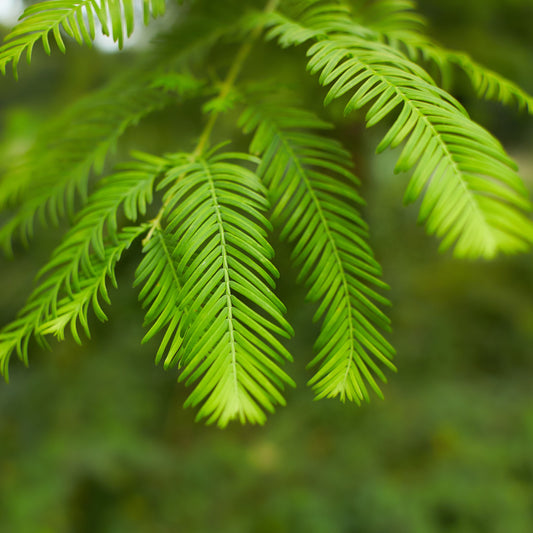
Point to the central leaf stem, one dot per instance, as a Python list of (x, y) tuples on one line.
[(227, 280)]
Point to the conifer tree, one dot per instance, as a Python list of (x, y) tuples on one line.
[(205, 213)]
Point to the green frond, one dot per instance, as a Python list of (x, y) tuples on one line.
[(56, 304), (160, 289), (489, 84), (302, 21), (74, 18), (314, 202), (55, 173), (397, 23), (89, 288), (215, 212), (474, 199), (71, 281), (386, 16), (131, 188)]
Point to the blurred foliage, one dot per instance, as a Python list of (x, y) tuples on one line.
[(96, 440)]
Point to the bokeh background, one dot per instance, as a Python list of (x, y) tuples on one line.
[(95, 439)]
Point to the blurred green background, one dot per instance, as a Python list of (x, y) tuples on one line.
[(95, 439)]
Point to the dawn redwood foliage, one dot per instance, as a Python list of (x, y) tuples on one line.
[(205, 212)]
